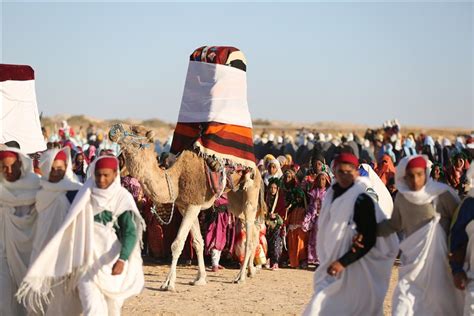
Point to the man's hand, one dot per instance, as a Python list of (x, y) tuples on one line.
[(460, 280), (335, 268), (117, 269), (357, 242)]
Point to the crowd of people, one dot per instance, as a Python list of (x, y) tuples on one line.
[(388, 188)]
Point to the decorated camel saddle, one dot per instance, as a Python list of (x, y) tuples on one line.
[(214, 118)]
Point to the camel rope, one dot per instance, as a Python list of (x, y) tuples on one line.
[(171, 192)]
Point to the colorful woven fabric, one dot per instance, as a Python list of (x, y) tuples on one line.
[(214, 118), (226, 141), (223, 55)]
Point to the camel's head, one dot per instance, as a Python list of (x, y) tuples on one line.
[(131, 137)]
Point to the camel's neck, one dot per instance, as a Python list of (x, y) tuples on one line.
[(144, 167)]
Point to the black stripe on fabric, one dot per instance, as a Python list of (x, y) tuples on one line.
[(181, 142), (228, 143)]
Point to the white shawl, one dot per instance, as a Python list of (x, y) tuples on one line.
[(361, 288), (425, 286), (424, 282), (21, 192), (383, 195), (17, 226), (85, 249), (18, 216), (278, 174), (428, 193), (52, 204)]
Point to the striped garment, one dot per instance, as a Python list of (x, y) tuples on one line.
[(214, 118)]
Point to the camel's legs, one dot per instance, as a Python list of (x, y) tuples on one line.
[(198, 244), (253, 235), (189, 216), (249, 225), (255, 240)]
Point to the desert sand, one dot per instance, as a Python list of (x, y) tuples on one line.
[(282, 292)]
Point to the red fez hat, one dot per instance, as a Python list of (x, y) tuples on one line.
[(107, 162), (417, 162), (8, 154), (61, 155), (347, 158)]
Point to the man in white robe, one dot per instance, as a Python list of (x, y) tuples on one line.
[(96, 250), (423, 211), (353, 277), (18, 188)]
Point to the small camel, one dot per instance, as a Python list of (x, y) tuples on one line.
[(185, 184)]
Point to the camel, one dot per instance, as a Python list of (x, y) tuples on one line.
[(185, 184)]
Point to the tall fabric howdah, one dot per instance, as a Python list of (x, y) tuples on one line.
[(19, 119), (214, 118)]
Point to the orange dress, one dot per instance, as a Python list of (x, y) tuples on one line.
[(297, 238), (260, 251)]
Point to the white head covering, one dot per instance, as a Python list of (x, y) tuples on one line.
[(446, 142), (366, 143), (336, 142), (398, 145), (47, 159), (50, 191), (53, 138), (278, 174), (322, 137), (301, 140), (281, 160), (428, 193), (28, 179), (350, 137), (470, 177)]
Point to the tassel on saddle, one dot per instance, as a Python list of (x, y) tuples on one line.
[(213, 164)]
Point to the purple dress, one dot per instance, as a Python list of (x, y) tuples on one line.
[(310, 223), (217, 235)]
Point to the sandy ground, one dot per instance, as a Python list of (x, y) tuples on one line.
[(282, 292)]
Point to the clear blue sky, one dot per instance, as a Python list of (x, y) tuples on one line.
[(307, 62)]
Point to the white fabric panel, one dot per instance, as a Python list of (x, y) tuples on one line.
[(17, 228), (19, 118), (384, 198), (215, 93), (428, 193), (369, 275), (425, 286)]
